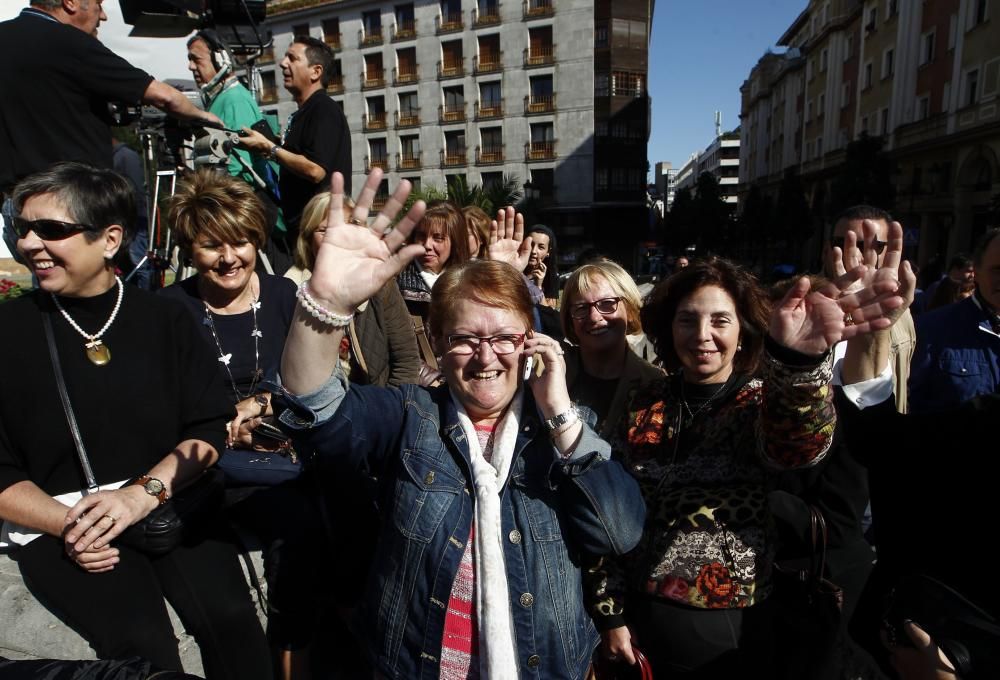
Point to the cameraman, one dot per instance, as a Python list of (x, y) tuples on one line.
[(57, 80)]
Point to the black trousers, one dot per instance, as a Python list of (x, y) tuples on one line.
[(122, 613)]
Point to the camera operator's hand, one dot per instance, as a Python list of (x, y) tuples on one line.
[(254, 141)]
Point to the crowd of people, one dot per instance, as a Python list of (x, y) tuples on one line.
[(476, 466)]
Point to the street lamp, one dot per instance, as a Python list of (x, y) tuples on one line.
[(530, 192)]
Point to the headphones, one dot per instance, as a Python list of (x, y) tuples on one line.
[(221, 59)]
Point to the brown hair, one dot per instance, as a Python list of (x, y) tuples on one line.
[(587, 277), (487, 282), (313, 215), (751, 304), (477, 222), (219, 205), (444, 216)]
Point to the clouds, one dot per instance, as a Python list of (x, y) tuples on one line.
[(163, 58)]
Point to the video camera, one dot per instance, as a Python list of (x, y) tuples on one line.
[(236, 21)]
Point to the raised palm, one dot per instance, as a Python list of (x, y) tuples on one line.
[(354, 261), (507, 242)]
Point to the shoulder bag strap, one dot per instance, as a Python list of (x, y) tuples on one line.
[(67, 406)]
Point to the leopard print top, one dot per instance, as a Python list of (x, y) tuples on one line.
[(708, 542)]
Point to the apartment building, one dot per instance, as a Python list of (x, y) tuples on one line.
[(721, 159), (536, 89), (923, 76)]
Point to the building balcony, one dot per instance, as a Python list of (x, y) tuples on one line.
[(490, 155), (380, 162), (372, 79), (451, 114), (540, 151), (487, 16), (453, 158), (411, 75), (404, 30), (332, 41), (282, 6), (487, 63), (266, 56), (448, 70), (380, 199), (534, 105), (448, 23), (407, 162), (537, 9), (407, 119), (336, 85), (269, 96), (544, 55), (373, 121), (370, 39), (489, 110)]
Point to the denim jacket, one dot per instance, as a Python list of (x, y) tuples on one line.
[(553, 510)]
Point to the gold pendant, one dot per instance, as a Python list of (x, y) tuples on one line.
[(98, 353)]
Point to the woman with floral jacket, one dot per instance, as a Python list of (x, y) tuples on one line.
[(750, 395)]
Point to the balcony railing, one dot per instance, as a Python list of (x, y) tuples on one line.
[(375, 77), (448, 23), (405, 119), (406, 161), (404, 30), (490, 155), (266, 56), (489, 110), (488, 63), (410, 75), (380, 199), (533, 9), (543, 55), (453, 157), (455, 69), (367, 39), (336, 85), (268, 96), (451, 114), (373, 121), (540, 151), (380, 162), (487, 16), (539, 104), (332, 40)]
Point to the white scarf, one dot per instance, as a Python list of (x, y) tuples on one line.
[(429, 277), (497, 649)]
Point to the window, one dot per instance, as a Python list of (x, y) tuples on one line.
[(819, 146), (372, 23), (454, 98), (820, 104), (408, 104), (864, 125), (541, 86), (823, 56), (884, 122), (927, 48), (540, 50), (866, 79), (406, 64), (490, 179), (489, 52), (377, 150), (542, 132), (845, 95), (601, 35), (971, 87), (376, 106), (602, 85), (492, 139), (952, 31), (888, 65), (451, 57), (849, 48), (872, 19), (809, 110), (625, 84), (978, 14), (414, 183), (891, 9), (809, 70), (923, 107), (300, 30), (454, 143), (489, 94), (331, 32), (404, 16), (409, 145), (627, 33)]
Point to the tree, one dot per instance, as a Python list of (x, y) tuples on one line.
[(865, 177), (490, 198), (792, 217), (680, 221), (711, 212)]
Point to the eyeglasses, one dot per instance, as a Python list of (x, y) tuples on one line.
[(879, 245), (464, 345), (48, 230), (604, 307)]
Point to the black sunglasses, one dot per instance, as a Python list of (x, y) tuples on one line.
[(879, 245), (48, 230)]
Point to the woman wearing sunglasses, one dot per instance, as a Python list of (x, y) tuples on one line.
[(749, 395), (490, 485), (600, 311), (151, 411)]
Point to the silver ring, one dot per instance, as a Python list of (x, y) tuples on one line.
[(848, 319), (357, 221)]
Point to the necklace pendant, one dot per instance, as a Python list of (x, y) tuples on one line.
[(98, 353)]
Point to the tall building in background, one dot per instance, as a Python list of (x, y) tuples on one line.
[(553, 93), (922, 78), (666, 181), (720, 159)]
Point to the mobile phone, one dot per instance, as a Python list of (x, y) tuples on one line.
[(529, 365)]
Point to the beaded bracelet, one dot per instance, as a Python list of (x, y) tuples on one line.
[(318, 311)]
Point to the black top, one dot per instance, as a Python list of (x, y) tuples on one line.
[(160, 388), (318, 131), (56, 82), (274, 318)]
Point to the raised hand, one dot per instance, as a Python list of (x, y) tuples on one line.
[(355, 260), (813, 322), (507, 242)]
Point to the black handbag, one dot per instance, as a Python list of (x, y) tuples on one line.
[(270, 462), (171, 522)]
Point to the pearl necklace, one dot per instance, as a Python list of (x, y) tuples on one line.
[(224, 358), (98, 352)]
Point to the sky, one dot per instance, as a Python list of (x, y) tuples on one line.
[(699, 55)]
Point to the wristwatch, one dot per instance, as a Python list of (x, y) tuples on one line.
[(557, 421), (153, 487), (262, 400), (273, 153)]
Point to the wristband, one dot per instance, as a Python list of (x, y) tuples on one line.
[(273, 152), (318, 311)]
